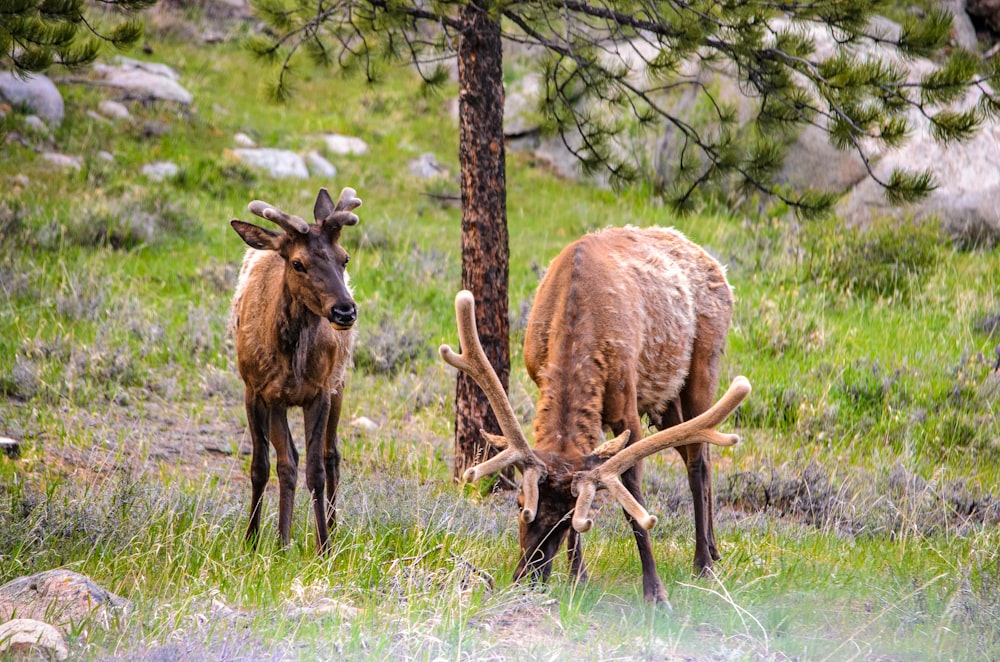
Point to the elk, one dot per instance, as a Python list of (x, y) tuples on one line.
[(292, 319), (626, 322)]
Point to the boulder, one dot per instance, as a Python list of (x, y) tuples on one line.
[(319, 166), (22, 637), (276, 162), (144, 80), (36, 92), (59, 596), (339, 144), (159, 171)]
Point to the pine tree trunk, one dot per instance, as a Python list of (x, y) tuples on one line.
[(485, 252)]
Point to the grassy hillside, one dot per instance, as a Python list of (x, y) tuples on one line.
[(857, 519)]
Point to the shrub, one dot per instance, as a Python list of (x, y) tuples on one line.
[(883, 261)]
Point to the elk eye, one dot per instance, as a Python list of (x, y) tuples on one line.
[(347, 258), (298, 266)]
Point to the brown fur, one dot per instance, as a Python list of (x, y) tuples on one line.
[(626, 322), (292, 319)]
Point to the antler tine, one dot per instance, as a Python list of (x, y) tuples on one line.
[(288, 222), (697, 430), (342, 211), (474, 363)]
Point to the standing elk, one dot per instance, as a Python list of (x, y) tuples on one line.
[(292, 318), (626, 322)]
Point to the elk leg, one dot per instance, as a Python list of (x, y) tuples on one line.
[(316, 414), (574, 550), (696, 397), (286, 456), (331, 459), (652, 586), (260, 463)]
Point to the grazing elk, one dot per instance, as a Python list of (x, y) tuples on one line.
[(626, 322), (292, 319)]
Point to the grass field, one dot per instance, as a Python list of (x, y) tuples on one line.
[(857, 518)]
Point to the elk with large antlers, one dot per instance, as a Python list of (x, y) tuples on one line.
[(626, 322), (292, 318)]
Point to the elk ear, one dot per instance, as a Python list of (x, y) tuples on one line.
[(323, 207), (256, 236)]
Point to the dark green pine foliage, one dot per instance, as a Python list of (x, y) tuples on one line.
[(35, 34), (860, 100)]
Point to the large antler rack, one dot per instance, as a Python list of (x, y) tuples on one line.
[(473, 362), (699, 429)]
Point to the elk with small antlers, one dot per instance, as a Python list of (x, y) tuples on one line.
[(292, 318), (626, 322)]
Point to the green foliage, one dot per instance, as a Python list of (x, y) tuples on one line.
[(886, 260), (35, 34)]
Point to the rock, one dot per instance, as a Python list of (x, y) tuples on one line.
[(37, 125), (339, 144), (23, 636), (59, 596), (144, 80), (106, 156), (63, 160), (970, 219), (160, 170), (320, 167), (37, 93), (426, 166), (277, 162), (364, 423), (10, 447), (114, 110), (243, 140)]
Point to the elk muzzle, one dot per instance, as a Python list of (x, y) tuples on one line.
[(343, 315)]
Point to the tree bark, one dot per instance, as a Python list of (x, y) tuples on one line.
[(485, 250)]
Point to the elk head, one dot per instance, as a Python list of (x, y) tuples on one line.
[(315, 264), (555, 486)]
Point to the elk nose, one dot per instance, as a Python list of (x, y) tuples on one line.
[(343, 315)]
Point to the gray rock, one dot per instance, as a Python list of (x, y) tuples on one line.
[(320, 167), (23, 636), (36, 124), (144, 80), (276, 162), (63, 160), (243, 140), (37, 93), (971, 219), (339, 144), (426, 166), (114, 110), (160, 170)]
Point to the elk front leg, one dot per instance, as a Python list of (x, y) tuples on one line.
[(652, 586), (700, 481), (260, 463), (331, 459), (287, 467), (316, 414), (574, 549)]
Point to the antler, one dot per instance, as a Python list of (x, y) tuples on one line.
[(473, 362), (697, 430), (288, 222), (342, 212)]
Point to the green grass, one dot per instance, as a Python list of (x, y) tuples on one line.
[(857, 518)]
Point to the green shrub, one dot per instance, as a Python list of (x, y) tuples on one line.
[(885, 260)]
